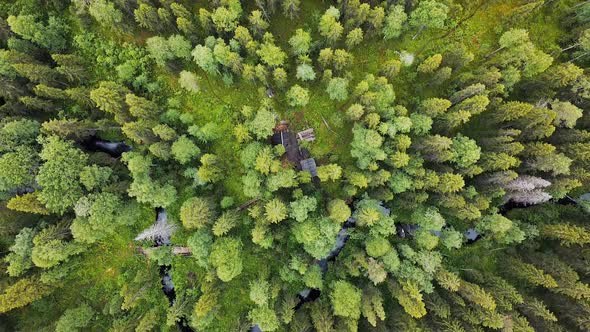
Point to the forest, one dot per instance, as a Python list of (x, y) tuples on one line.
[(294, 165)]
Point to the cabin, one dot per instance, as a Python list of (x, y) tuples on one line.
[(290, 141)]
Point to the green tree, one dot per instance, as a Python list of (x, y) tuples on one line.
[(109, 97), (18, 133), (204, 58), (21, 293), (275, 211), (184, 150), (409, 297), (329, 26), (265, 318), (188, 81), (346, 300), (297, 96), (196, 212), (429, 14), (93, 177), (59, 176), (225, 223), (147, 17), (105, 13), (567, 114), (465, 151), (17, 169), (567, 234), (260, 292), (28, 203), (262, 124), (53, 35), (354, 37), (291, 8), (430, 64), (337, 89), (300, 42), (305, 72), (19, 258), (394, 22), (271, 54), (211, 168), (338, 210), (200, 243), (75, 319), (226, 258)]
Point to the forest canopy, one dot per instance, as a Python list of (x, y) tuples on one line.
[(294, 165)]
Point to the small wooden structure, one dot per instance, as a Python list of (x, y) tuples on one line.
[(184, 251), (306, 135)]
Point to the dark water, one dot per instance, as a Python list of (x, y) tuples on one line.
[(114, 149), (165, 277)]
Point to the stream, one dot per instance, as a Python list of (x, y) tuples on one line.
[(114, 149), (166, 278)]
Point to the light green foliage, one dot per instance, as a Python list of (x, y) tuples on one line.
[(313, 277), (52, 35), (567, 114), (354, 37), (451, 239), (196, 212), (318, 236), (346, 299), (300, 208), (430, 64), (17, 168), (74, 319), (96, 217), (429, 14), (275, 211), (95, 177), (377, 247), (410, 298), (338, 210), (265, 318), (262, 124), (19, 258), (17, 133), (271, 54), (184, 149), (50, 253), (305, 72), (189, 81), (425, 239), (203, 56), (297, 96), (300, 42), (337, 88), (59, 176), (163, 50), (105, 12), (329, 26), (226, 258), (260, 292), (200, 244), (225, 18), (225, 223), (366, 146), (394, 21), (21, 293), (465, 151)]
